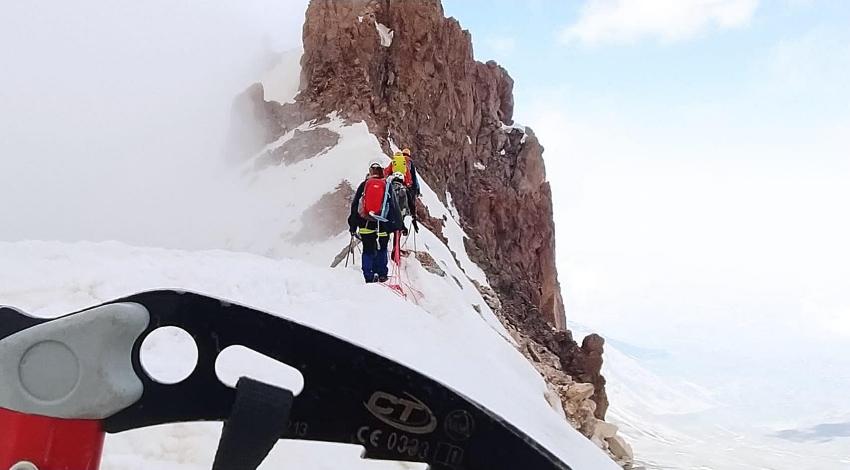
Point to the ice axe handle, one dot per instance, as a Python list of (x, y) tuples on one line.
[(29, 442)]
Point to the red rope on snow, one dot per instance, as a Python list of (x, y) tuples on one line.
[(397, 281)]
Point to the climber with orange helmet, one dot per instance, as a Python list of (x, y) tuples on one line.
[(403, 168)]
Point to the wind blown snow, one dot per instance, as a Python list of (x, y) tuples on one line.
[(450, 345), (280, 83), (116, 112)]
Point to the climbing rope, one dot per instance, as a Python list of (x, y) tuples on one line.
[(398, 281)]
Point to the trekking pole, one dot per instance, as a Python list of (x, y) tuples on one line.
[(415, 227), (397, 248), (350, 250)]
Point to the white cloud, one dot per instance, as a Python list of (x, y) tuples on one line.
[(115, 114), (626, 21), (663, 228)]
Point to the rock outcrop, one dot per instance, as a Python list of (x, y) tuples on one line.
[(583, 402), (409, 73)]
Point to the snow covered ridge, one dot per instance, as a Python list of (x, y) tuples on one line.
[(296, 189), (446, 342)]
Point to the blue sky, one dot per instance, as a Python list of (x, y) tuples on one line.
[(742, 71), (699, 154), (650, 70)]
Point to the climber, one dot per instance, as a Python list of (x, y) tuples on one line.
[(402, 164), (373, 216)]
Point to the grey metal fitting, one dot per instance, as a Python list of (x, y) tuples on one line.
[(74, 367)]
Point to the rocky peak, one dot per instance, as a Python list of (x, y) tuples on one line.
[(422, 88)]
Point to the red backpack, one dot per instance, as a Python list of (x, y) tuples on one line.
[(373, 198)]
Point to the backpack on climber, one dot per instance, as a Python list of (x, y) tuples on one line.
[(402, 164)]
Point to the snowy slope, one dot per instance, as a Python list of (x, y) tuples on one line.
[(675, 424), (450, 343), (278, 205)]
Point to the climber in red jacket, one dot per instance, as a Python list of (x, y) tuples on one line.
[(373, 216)]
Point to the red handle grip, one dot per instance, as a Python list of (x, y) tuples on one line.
[(49, 443)]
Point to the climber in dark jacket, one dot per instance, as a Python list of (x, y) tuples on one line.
[(373, 232)]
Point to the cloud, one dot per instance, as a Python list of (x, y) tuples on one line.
[(115, 114), (626, 21), (661, 227)]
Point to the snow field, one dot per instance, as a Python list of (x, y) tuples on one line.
[(452, 345)]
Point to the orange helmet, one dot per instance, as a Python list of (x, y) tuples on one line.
[(406, 152)]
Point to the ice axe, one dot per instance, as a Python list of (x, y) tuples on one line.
[(66, 381), (347, 253)]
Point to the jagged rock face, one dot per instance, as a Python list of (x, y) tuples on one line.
[(576, 393), (425, 91), (585, 364)]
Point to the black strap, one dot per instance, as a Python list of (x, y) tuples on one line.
[(258, 420)]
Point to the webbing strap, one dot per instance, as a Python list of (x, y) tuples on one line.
[(368, 231), (258, 420)]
